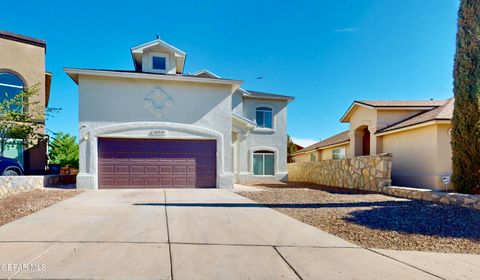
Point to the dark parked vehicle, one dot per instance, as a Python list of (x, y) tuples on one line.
[(10, 167)]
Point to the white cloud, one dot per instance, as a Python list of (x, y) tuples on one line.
[(304, 142), (347, 30)]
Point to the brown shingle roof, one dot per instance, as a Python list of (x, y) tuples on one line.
[(335, 139), (444, 112), (403, 103), (260, 94), (22, 38)]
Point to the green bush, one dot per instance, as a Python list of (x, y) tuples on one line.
[(64, 150)]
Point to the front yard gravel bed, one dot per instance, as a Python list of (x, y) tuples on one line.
[(375, 220), (22, 204)]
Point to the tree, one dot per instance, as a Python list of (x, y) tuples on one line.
[(291, 148), (22, 119), (466, 114), (64, 150)]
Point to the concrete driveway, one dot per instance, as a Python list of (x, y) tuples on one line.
[(187, 234)]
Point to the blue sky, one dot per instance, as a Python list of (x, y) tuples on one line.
[(325, 53)]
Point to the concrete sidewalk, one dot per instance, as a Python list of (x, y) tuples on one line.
[(196, 234)]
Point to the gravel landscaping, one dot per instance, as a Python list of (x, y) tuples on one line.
[(25, 203), (376, 220)]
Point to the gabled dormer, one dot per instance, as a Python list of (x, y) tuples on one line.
[(158, 57)]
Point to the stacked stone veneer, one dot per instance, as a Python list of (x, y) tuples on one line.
[(14, 184), (370, 173), (464, 200)]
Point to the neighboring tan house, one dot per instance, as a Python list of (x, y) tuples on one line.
[(22, 65), (417, 133), (158, 127)]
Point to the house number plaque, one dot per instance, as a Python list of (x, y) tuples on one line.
[(158, 132)]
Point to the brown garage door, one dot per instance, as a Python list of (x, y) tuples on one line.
[(148, 163)]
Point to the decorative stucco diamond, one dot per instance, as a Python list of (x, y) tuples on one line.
[(157, 102)]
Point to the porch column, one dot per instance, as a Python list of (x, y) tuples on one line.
[(243, 162)]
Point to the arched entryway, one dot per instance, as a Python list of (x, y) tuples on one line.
[(362, 141)]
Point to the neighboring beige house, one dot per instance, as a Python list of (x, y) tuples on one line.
[(22, 65), (417, 133)]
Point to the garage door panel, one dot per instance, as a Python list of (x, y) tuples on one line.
[(122, 182), (122, 169), (166, 182), (137, 182), (151, 169), (152, 182), (140, 163), (137, 170)]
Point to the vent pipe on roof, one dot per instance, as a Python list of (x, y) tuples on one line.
[(158, 36)]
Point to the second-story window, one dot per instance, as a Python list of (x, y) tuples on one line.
[(10, 86), (264, 117), (159, 63)]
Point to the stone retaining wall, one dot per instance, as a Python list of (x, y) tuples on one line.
[(370, 173), (14, 184), (464, 200)]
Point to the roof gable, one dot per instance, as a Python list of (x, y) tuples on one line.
[(336, 139), (158, 45), (425, 105), (444, 112), (158, 42)]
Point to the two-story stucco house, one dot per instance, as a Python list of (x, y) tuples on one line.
[(415, 132), (155, 126), (22, 65)]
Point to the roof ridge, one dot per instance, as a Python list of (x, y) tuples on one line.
[(316, 145)]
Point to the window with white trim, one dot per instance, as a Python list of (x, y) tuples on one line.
[(159, 62), (263, 163), (264, 117), (338, 153), (313, 157)]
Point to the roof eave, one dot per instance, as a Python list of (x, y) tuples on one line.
[(286, 98), (249, 124), (140, 48), (321, 148), (74, 73), (345, 118)]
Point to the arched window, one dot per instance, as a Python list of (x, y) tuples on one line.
[(10, 85), (264, 117)]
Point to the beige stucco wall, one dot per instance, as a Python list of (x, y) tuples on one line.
[(444, 153), (28, 63), (421, 156), (323, 154), (328, 153), (374, 119), (388, 117), (306, 156)]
